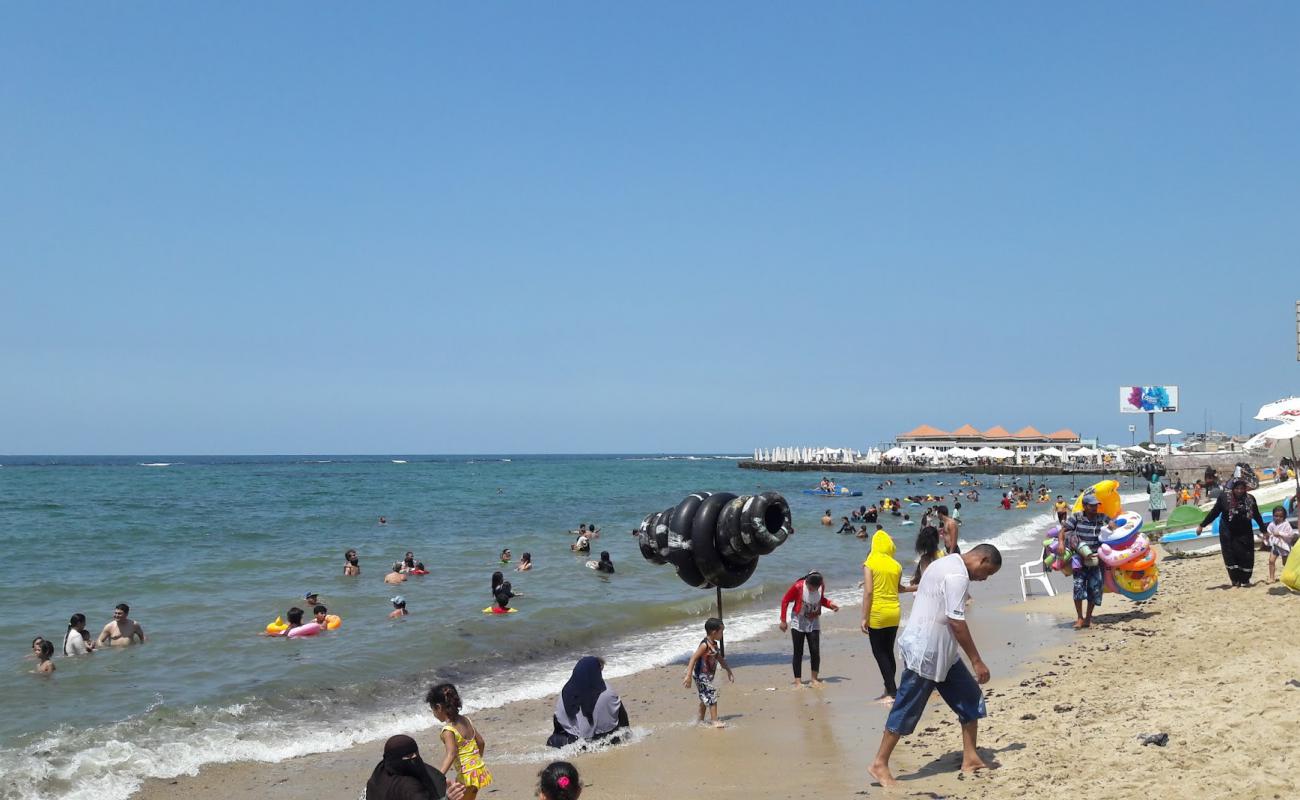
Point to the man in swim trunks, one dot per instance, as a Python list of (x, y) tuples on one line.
[(123, 630)]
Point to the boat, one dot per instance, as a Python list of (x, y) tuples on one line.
[(842, 491), (1187, 543)]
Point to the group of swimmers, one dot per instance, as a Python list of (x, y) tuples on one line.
[(120, 631)]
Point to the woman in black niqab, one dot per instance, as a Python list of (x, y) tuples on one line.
[(403, 775)]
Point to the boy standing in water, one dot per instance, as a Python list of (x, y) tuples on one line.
[(703, 666)]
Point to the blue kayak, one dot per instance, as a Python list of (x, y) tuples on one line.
[(841, 492)]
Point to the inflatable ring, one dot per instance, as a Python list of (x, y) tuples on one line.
[(495, 610), (1143, 562), (765, 522), (278, 627), (418, 572), (703, 546), (1108, 581), (660, 531), (310, 629), (645, 539), (332, 622), (731, 545), (1127, 530), (1118, 558), (1138, 596), (679, 539), (1135, 582), (1107, 498)]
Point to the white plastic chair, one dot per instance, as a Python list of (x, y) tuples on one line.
[(1033, 571)]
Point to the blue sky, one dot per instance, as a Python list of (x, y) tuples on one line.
[(563, 227)]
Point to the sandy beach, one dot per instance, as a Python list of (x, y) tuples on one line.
[(1206, 664)]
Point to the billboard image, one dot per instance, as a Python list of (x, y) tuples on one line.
[(1148, 399)]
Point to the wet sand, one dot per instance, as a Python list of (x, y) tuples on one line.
[(780, 742)]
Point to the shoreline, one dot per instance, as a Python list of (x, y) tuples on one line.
[(759, 708)]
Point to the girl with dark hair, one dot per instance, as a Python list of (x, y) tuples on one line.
[(559, 781), (497, 580), (462, 740), (928, 548), (808, 596), (351, 564)]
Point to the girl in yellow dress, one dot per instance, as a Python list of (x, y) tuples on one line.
[(463, 741)]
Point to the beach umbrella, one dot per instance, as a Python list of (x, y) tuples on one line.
[(1170, 433), (1051, 452), (1288, 408), (1286, 433)]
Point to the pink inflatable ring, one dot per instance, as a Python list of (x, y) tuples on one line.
[(1117, 558)]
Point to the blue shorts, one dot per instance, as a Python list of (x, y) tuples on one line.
[(959, 690), (1088, 584)]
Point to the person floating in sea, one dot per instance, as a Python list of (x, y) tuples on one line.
[(808, 597), (505, 556), (122, 630), (77, 642), (703, 666), (383, 521), (929, 646), (320, 614), (351, 564), (44, 663), (464, 744), (399, 607)]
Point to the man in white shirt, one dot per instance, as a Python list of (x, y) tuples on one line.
[(936, 628)]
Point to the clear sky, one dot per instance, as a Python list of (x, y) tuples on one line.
[(609, 227)]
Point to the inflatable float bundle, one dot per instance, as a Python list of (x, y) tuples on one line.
[(715, 539)]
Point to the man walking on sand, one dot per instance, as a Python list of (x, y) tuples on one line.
[(929, 647)]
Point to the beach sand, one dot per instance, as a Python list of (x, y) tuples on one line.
[(1210, 666)]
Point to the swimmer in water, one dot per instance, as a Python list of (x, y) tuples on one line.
[(525, 563), (45, 666), (311, 599), (399, 607), (605, 564), (408, 562), (320, 612), (351, 565), (123, 630), (36, 647), (383, 521), (395, 577), (505, 556)]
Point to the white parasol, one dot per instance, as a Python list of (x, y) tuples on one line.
[(1288, 408), (1286, 433)]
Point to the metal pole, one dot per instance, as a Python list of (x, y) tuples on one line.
[(722, 645)]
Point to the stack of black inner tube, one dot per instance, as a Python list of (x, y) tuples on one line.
[(715, 539)]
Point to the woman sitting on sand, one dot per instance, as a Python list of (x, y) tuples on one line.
[(403, 775), (587, 709)]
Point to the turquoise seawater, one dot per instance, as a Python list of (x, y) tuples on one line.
[(208, 550)]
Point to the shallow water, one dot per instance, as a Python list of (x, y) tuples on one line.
[(208, 550)]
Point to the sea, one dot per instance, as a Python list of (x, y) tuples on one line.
[(208, 550)]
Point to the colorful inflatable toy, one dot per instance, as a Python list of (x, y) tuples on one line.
[(1107, 498)]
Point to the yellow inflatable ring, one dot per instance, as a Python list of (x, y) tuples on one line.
[(1136, 582), (1107, 498), (278, 627), (332, 622)]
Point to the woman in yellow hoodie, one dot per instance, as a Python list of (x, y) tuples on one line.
[(882, 578)]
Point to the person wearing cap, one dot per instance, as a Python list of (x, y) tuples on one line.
[(311, 599), (399, 607), (1084, 528)]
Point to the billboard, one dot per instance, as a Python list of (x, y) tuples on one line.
[(1148, 399)]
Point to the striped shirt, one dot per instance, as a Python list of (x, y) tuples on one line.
[(1088, 530)]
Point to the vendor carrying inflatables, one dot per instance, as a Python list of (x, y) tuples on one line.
[(1083, 529)]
